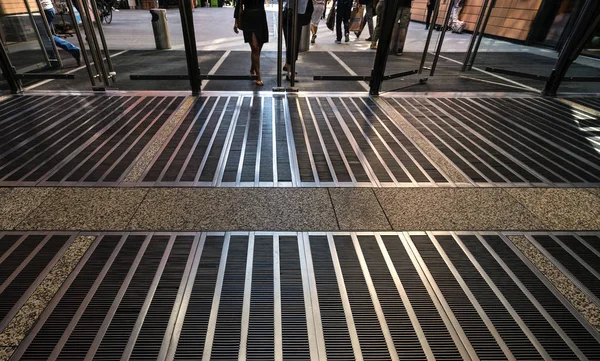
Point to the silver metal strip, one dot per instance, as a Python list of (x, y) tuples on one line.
[(34, 285), (485, 140), (185, 280), (493, 331), (586, 243), (385, 144), (245, 322), (564, 269), (198, 137), (560, 123), (399, 142), (375, 299), (47, 129), (405, 301), (69, 134), (274, 145), (211, 142), (345, 301), (278, 327), (442, 141), (170, 137), (24, 263), (9, 251), (115, 305), (55, 300), (212, 322), (464, 146), (295, 170), (455, 329), (337, 144), (543, 138), (316, 339), (259, 143), (559, 105), (238, 177), (29, 107), (534, 341), (370, 142), (306, 141), (86, 301), (144, 310), (528, 294), (187, 292), (126, 151), (359, 153), (508, 142), (227, 143), (96, 134), (320, 137), (113, 136)]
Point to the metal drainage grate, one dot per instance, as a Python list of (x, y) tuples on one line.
[(278, 141), (68, 140), (520, 141), (307, 296), (590, 102)]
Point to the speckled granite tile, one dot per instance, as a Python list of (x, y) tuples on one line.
[(6, 352), (561, 208), (159, 140), (594, 191), (580, 300), (439, 160), (222, 209), (20, 325), (85, 209), (17, 203), (448, 209), (357, 209)]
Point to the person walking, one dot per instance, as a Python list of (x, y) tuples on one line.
[(430, 10), (343, 12), (379, 9), (456, 9), (60, 42), (400, 27), (317, 15), (305, 10), (251, 18), (367, 19)]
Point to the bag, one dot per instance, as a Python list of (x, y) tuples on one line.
[(356, 18), (331, 19), (458, 26), (305, 18)]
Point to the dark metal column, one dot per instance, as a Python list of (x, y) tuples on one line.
[(279, 43), (441, 39), (429, 36), (189, 39), (383, 48), (295, 36), (9, 71), (469, 62), (583, 30), (478, 29)]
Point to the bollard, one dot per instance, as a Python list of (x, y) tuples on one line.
[(160, 26), (305, 35)]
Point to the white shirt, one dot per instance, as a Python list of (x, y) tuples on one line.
[(47, 4)]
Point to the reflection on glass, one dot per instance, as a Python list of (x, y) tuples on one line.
[(560, 22)]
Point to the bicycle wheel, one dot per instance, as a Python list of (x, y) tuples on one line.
[(108, 15)]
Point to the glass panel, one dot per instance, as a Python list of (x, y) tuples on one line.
[(560, 22)]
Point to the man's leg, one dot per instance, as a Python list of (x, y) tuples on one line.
[(347, 13), (429, 14), (377, 32), (369, 19), (338, 23), (286, 35)]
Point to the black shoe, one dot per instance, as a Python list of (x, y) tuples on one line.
[(368, 39), (427, 28), (357, 34), (347, 37)]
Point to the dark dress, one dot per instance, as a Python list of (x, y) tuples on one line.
[(254, 20)]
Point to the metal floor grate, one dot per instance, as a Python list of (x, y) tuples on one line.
[(590, 102), (289, 141), (510, 141), (307, 296), (71, 140)]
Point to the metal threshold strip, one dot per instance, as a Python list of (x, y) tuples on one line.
[(304, 296)]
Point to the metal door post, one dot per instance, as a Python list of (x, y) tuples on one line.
[(9, 71), (189, 39), (279, 43), (429, 36), (293, 44), (584, 28), (383, 48), (81, 43), (475, 34), (49, 32), (441, 39), (37, 33), (485, 22), (109, 63)]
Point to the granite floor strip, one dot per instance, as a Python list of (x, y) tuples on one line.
[(20, 325), (17, 203), (162, 136), (358, 209), (578, 298), (6, 352), (429, 149)]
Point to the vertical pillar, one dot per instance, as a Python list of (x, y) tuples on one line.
[(586, 24), (189, 40), (9, 71), (385, 38)]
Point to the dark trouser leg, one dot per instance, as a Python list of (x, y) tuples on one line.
[(347, 12), (287, 33), (430, 9), (338, 23)]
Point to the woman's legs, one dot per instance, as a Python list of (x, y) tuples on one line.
[(255, 46)]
